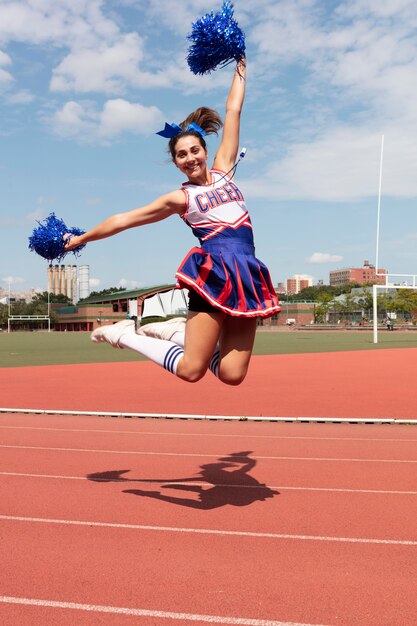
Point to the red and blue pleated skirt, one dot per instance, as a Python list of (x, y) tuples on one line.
[(226, 273)]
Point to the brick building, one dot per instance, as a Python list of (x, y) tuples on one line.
[(105, 309), (297, 283), (111, 308), (293, 313), (361, 275)]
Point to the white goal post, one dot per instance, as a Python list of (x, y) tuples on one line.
[(411, 283), (30, 318), (409, 280)]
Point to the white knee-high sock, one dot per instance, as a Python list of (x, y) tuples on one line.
[(179, 338), (164, 353)]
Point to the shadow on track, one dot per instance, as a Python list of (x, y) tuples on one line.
[(225, 482)]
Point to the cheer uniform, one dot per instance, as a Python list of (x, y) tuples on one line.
[(224, 270)]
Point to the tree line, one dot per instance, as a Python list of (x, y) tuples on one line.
[(402, 301), (37, 306)]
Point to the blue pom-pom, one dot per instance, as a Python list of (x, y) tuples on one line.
[(46, 240), (217, 40)]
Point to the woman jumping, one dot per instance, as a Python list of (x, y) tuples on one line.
[(229, 288)]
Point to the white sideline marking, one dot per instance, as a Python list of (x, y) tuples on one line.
[(208, 531), (204, 484), (245, 418), (201, 455), (174, 434), (213, 619)]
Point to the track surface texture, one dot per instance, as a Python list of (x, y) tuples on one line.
[(110, 521), (361, 384)]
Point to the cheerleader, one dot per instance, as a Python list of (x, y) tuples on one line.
[(229, 288)]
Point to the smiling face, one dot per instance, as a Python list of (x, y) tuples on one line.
[(191, 159)]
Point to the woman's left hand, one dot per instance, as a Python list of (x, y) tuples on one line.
[(71, 241)]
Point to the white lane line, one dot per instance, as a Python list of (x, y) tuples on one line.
[(222, 418), (226, 436), (150, 481), (194, 434), (201, 455), (208, 531), (188, 617)]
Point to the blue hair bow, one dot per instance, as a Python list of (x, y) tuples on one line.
[(171, 130)]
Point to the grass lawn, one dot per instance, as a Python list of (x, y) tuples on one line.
[(19, 349), (298, 342)]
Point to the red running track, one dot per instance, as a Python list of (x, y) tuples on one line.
[(153, 522), (362, 384)]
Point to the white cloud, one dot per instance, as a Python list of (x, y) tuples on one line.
[(119, 116), (355, 67), (179, 20), (73, 120), (61, 22), (107, 67), (84, 122), (324, 257), (95, 282), (5, 77), (129, 284), (93, 54), (114, 69), (100, 57), (4, 58), (289, 33), (186, 12), (373, 56), (24, 96), (342, 165), (381, 8)]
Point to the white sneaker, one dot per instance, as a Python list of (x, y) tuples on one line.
[(163, 330), (112, 333)]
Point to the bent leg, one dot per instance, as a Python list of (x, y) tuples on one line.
[(189, 363), (201, 337), (200, 352), (236, 345)]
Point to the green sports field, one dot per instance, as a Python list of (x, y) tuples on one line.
[(19, 349)]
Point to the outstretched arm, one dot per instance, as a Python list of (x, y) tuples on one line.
[(158, 210), (227, 152)]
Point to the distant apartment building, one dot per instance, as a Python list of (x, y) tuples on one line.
[(360, 275), (297, 283), (18, 296)]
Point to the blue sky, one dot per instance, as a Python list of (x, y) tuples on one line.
[(85, 84)]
